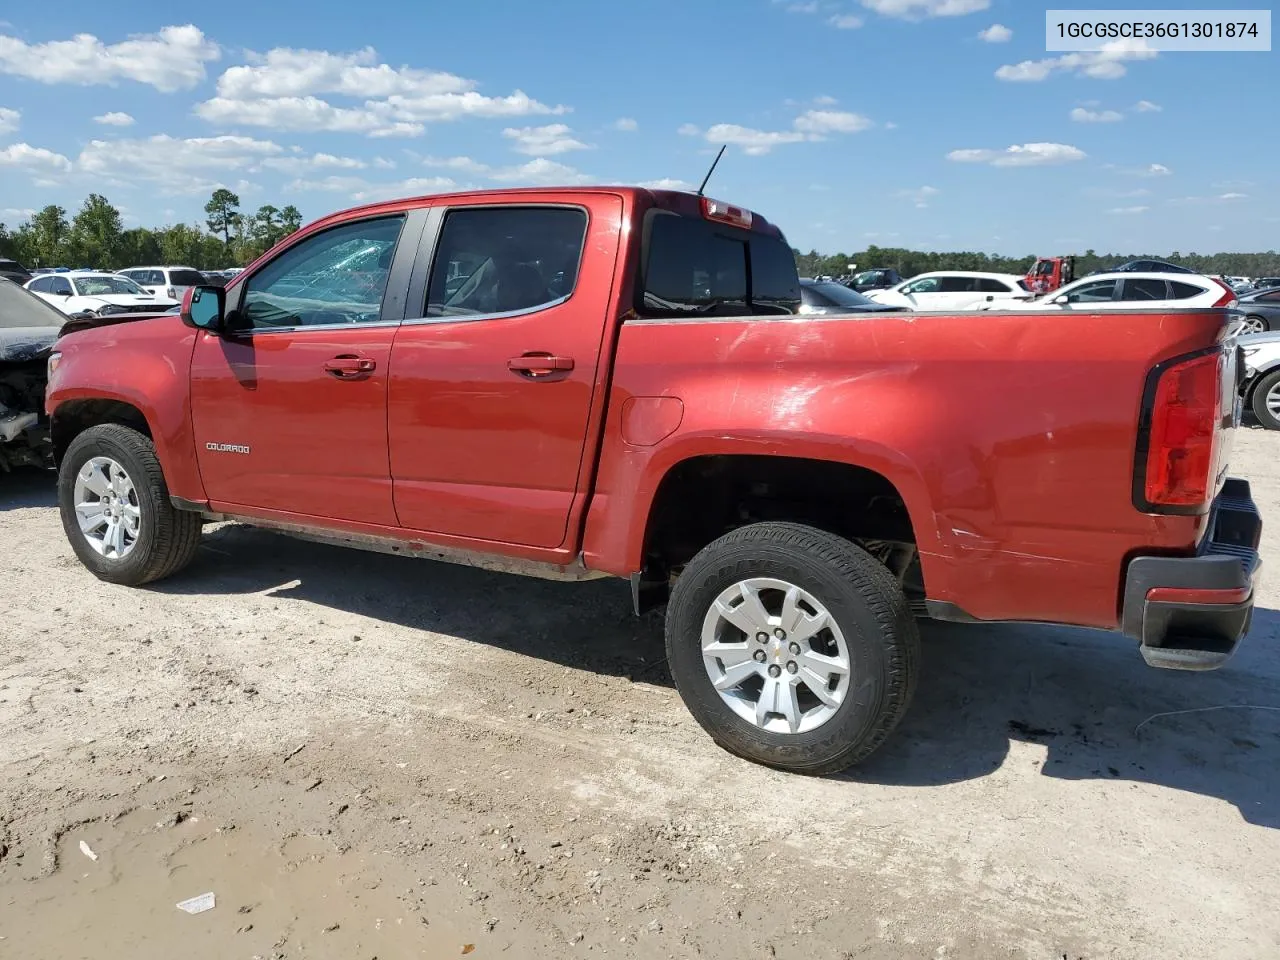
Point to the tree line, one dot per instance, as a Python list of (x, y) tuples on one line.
[(95, 236), (912, 262)]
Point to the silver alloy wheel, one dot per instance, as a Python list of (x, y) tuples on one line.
[(107, 508), (1254, 325), (1273, 400), (775, 655)]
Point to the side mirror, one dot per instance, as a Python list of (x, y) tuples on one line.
[(203, 308)]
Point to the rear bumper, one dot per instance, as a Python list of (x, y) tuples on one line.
[(1190, 613)]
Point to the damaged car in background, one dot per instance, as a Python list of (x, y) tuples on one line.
[(28, 329)]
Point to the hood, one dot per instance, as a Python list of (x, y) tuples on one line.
[(76, 324), (19, 344)]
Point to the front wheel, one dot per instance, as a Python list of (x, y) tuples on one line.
[(116, 510), (792, 647), (1266, 401)]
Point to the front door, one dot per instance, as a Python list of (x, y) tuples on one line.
[(290, 404), (493, 372)]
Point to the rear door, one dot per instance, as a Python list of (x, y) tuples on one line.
[(494, 369), (290, 405)]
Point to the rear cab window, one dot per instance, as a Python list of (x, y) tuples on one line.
[(693, 267)]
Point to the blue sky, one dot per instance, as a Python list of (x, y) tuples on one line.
[(941, 124)]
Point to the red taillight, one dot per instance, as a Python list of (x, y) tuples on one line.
[(1183, 435), (1228, 298), (723, 212)]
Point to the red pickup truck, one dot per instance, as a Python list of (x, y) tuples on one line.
[(577, 383)]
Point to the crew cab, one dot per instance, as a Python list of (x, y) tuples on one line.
[(615, 382)]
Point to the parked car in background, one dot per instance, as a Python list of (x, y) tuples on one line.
[(13, 270), (882, 278), (28, 329), (954, 290), (1148, 266), (99, 294), (821, 297), (1261, 310), (1261, 387), (168, 282), (1131, 291)]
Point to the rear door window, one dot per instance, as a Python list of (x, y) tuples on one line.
[(500, 260), (1147, 289)]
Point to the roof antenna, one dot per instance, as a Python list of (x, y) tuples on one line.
[(712, 170)]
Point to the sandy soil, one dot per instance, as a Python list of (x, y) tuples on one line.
[(364, 756)]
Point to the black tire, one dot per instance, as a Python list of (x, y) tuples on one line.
[(1263, 323), (1259, 402), (167, 538), (866, 601)]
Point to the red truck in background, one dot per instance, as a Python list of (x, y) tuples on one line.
[(588, 382)]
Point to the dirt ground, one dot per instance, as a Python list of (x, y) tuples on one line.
[(364, 756)]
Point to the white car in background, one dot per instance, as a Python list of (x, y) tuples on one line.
[(171, 282), (953, 290), (101, 294), (1131, 291)]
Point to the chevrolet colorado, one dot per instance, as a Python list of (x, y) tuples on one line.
[(589, 382)]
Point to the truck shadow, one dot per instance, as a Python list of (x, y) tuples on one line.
[(1080, 694), (28, 487)]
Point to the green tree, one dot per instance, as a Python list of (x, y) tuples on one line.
[(181, 243), (223, 210), (138, 247), (49, 236), (290, 219), (94, 238)]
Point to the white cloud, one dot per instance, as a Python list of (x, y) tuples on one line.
[(919, 9), (1106, 64), (545, 141), (920, 196), (1081, 115), (812, 125), (173, 59), (318, 161), (284, 89), (753, 142), (540, 170), (626, 125), (9, 119), (1021, 155), (34, 160), (193, 165), (846, 21), (996, 33), (666, 183), (412, 187), (114, 119), (1146, 106), (1128, 211), (830, 121)]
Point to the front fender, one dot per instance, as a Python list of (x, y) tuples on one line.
[(145, 365)]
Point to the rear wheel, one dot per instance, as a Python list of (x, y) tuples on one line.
[(792, 647), (116, 511), (1266, 400)]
